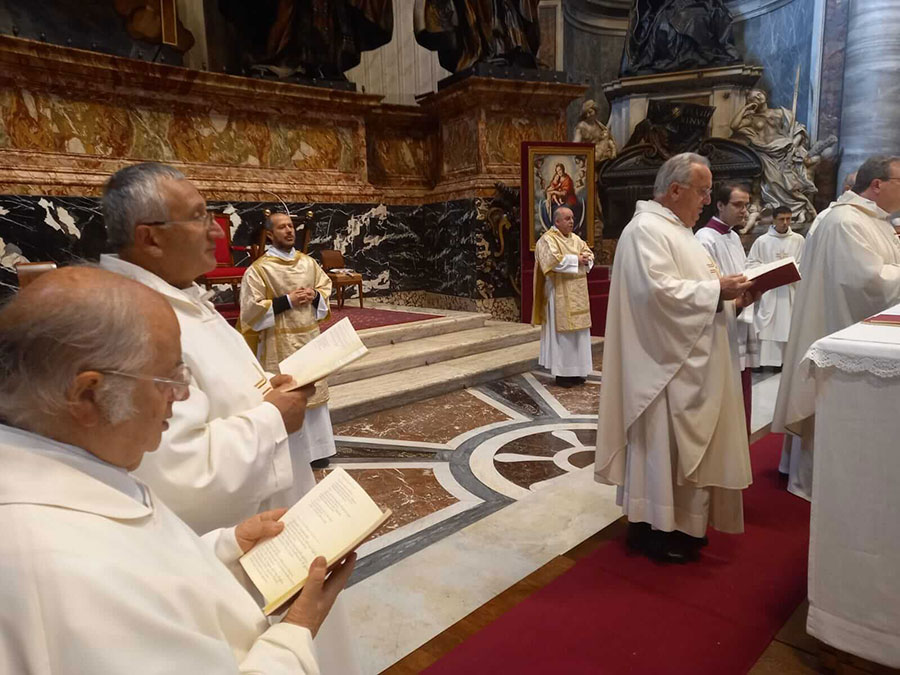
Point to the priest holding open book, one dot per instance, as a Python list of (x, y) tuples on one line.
[(97, 574), (851, 270)]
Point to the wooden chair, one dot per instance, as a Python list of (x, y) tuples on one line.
[(29, 271), (332, 259)]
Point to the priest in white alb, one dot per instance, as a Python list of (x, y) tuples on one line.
[(772, 314), (97, 575), (850, 270), (232, 449), (284, 294), (561, 305), (720, 238), (671, 432)]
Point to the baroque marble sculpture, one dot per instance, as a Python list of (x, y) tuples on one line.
[(468, 32), (590, 130), (305, 39), (670, 35), (782, 144)]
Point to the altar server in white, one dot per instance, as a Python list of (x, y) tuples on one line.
[(561, 303), (720, 238), (772, 314), (97, 575), (850, 270), (232, 449), (671, 433)]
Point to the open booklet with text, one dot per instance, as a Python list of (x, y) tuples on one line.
[(326, 353), (330, 520)]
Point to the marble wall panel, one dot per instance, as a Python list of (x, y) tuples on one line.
[(459, 145), (507, 131), (400, 155), (779, 41)]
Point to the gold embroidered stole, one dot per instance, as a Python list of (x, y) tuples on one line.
[(570, 291)]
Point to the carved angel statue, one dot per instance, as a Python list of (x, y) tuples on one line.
[(782, 144), (590, 130)]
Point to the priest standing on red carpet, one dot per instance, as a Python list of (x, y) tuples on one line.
[(722, 242), (670, 433)]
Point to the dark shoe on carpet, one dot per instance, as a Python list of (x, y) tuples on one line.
[(637, 537), (692, 543), (670, 547), (564, 382), (320, 463)]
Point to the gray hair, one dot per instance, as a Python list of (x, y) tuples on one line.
[(130, 196), (43, 349), (676, 169), (876, 167)]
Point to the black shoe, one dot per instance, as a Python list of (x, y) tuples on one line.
[(579, 380), (670, 547), (638, 536), (564, 382), (692, 543), (320, 463)]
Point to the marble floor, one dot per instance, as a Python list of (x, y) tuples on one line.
[(487, 485)]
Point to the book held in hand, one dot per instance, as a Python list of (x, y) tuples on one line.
[(326, 353), (773, 275), (330, 520), (884, 319)]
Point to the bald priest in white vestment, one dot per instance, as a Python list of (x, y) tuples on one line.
[(720, 238), (772, 313), (233, 448), (671, 431), (850, 270), (97, 575), (561, 304), (284, 295)]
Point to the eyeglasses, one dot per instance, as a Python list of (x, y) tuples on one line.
[(706, 192), (179, 382), (208, 221)]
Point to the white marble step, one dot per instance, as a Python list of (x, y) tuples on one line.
[(412, 353), (386, 335), (362, 397)]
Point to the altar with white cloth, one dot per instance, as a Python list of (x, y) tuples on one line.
[(854, 548)]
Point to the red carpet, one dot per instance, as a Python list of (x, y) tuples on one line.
[(366, 317), (615, 612)]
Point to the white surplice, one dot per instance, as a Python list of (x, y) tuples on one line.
[(728, 252), (850, 270), (671, 430), (98, 576), (226, 454), (772, 318), (565, 354), (845, 197)]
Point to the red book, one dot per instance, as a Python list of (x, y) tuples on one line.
[(773, 274), (884, 319)]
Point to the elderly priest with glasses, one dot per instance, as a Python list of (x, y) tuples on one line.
[(97, 575), (233, 449)]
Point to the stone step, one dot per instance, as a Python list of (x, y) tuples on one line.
[(403, 332), (363, 397), (431, 349)]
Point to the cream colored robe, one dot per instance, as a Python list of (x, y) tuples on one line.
[(772, 315), (847, 196), (226, 454), (563, 294), (850, 270), (94, 581), (671, 429)]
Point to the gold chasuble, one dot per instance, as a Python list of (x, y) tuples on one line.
[(270, 277), (570, 291)]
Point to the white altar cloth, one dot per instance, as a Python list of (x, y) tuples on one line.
[(854, 547)]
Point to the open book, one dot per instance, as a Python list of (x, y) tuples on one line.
[(326, 353), (773, 274), (330, 520)]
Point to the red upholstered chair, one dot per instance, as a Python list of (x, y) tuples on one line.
[(226, 272)]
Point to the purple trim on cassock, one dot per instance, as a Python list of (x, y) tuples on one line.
[(718, 225)]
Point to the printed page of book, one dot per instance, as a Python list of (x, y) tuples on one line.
[(756, 272), (330, 520), (328, 352)]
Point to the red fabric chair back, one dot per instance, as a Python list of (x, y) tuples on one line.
[(223, 246)]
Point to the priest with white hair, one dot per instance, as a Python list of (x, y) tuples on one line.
[(850, 270), (97, 575), (561, 303), (671, 432), (236, 446)]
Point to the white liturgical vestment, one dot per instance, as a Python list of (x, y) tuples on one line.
[(850, 270), (772, 317), (226, 454), (671, 430), (98, 576), (725, 247)]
